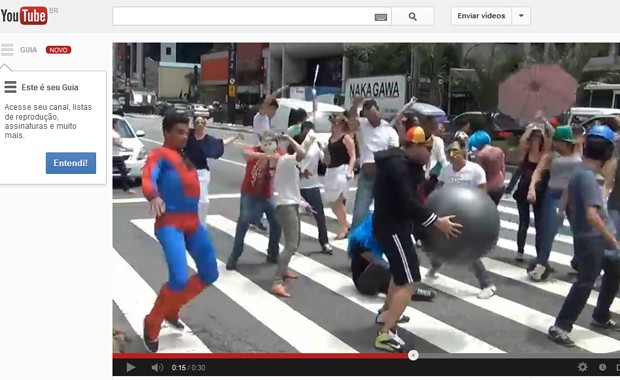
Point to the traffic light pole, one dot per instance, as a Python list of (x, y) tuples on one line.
[(232, 82), (127, 60)]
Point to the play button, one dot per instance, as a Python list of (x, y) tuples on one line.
[(130, 367)]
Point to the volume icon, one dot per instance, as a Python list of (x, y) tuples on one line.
[(157, 367)]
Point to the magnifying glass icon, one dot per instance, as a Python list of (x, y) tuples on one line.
[(412, 16)]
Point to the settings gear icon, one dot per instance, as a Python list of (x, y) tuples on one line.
[(582, 367)]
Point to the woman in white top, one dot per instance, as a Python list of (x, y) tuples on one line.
[(288, 201), (461, 172), (340, 161)]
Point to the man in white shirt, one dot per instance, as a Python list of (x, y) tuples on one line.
[(462, 172), (373, 135), (118, 161), (261, 124)]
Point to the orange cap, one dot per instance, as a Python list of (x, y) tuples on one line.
[(416, 135)]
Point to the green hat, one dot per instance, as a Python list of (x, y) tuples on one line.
[(564, 133), (294, 130)]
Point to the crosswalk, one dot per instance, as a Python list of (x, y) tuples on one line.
[(326, 314)]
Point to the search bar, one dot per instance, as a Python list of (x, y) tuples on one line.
[(252, 16)]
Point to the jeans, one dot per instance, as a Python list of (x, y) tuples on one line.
[(119, 163), (514, 179), (549, 224), (480, 271), (524, 223), (314, 199), (363, 199), (251, 207), (288, 216), (591, 258)]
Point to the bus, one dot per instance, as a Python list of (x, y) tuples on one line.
[(601, 95)]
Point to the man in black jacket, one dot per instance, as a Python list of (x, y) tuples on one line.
[(398, 210)]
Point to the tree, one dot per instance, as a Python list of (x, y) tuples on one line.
[(488, 75), (378, 59), (574, 58), (436, 60)]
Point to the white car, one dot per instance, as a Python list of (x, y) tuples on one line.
[(201, 110), (135, 157), (582, 114), (322, 124)]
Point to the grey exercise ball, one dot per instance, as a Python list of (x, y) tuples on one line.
[(478, 215)]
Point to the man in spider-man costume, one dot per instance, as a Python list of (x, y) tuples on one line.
[(170, 184)]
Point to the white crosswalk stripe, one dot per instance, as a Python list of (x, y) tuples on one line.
[(515, 308), (296, 329)]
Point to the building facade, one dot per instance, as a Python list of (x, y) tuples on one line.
[(250, 73), (176, 60)]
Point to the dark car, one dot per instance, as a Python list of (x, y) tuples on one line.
[(117, 107), (609, 120), (179, 107), (498, 125)]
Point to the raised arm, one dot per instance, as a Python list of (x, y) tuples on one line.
[(354, 122), (524, 143), (301, 150), (268, 99)]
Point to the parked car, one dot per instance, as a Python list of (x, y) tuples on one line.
[(581, 115), (609, 120), (135, 157), (117, 107), (498, 125), (201, 110), (177, 106)]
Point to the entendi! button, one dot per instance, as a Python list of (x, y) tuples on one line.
[(70, 163)]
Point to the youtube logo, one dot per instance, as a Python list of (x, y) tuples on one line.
[(26, 15)]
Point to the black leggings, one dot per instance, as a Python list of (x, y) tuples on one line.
[(524, 223)]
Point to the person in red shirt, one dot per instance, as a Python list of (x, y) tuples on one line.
[(256, 197)]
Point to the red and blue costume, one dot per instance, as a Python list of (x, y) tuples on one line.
[(169, 175)]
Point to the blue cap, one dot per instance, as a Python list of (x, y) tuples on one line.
[(602, 131)]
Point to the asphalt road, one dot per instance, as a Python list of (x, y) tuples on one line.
[(324, 313)]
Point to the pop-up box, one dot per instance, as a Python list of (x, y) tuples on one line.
[(54, 127)]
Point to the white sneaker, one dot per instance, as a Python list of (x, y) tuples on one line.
[(487, 292), (394, 335), (537, 273)]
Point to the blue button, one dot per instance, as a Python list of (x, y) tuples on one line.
[(70, 163)]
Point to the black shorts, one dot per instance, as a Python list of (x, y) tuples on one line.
[(399, 249)]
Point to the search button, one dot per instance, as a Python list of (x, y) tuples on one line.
[(418, 16)]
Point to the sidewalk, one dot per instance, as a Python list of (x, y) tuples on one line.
[(232, 127)]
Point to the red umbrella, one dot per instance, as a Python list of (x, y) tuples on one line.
[(546, 88)]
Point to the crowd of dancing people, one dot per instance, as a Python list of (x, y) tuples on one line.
[(564, 171)]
